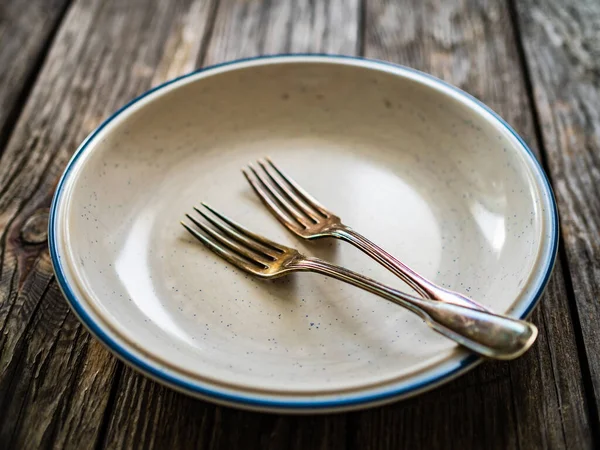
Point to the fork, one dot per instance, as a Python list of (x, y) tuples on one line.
[(488, 334), (304, 216)]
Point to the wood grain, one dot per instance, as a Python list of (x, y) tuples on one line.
[(538, 400), (245, 29), (60, 388), (26, 32), (55, 380), (562, 45)]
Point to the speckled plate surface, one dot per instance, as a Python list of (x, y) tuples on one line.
[(423, 169)]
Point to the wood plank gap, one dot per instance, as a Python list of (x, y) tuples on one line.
[(101, 442), (362, 28), (512, 10), (513, 411), (208, 33), (549, 347), (586, 374), (264, 17), (32, 77)]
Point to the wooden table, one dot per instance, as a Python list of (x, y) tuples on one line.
[(66, 65)]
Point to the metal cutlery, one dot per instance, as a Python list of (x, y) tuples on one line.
[(485, 333), (307, 218)]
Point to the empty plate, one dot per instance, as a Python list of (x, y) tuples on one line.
[(418, 166)]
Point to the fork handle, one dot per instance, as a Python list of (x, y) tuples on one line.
[(488, 334), (419, 283)]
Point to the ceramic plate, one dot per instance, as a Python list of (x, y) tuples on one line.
[(418, 166)]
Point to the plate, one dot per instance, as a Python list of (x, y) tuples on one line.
[(420, 167)]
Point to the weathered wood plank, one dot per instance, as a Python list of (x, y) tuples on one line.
[(538, 400), (245, 29), (561, 41), (54, 379), (26, 31)]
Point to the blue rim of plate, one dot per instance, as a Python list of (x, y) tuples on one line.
[(346, 400)]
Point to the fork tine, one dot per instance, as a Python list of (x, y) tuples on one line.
[(291, 209), (263, 250), (257, 237), (290, 193), (233, 245), (307, 197), (271, 204), (224, 253)]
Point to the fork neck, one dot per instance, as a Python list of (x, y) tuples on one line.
[(420, 284), (311, 264)]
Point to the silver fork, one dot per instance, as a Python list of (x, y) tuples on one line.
[(307, 218), (488, 334)]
